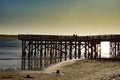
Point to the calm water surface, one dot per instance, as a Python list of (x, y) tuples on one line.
[(10, 53)]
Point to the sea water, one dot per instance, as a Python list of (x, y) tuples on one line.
[(10, 53)]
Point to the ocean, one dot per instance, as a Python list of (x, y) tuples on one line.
[(10, 53)]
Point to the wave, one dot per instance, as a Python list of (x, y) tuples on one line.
[(8, 43), (10, 58)]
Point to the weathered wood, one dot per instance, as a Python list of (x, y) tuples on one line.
[(23, 64), (115, 49), (96, 56), (87, 49), (118, 49), (75, 50), (79, 50), (69, 38), (65, 50), (51, 55), (55, 55), (85, 54), (100, 51), (45, 60), (44, 50), (53, 52), (29, 56), (91, 50), (61, 51), (47, 55), (70, 53), (95, 53), (41, 54), (111, 50), (35, 53)]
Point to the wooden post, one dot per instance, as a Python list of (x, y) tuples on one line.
[(79, 50), (75, 50), (56, 47), (87, 49), (23, 55), (91, 49), (95, 53), (45, 60), (100, 50), (51, 56), (41, 54), (55, 55), (53, 52), (38, 54), (118, 49), (97, 47), (85, 54), (115, 49), (110, 50), (65, 50), (47, 55), (35, 57), (70, 54), (60, 51), (29, 55)]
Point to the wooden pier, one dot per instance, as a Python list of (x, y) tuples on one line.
[(43, 50)]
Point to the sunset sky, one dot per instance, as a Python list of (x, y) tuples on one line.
[(63, 17)]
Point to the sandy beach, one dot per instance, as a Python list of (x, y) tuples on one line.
[(103, 69)]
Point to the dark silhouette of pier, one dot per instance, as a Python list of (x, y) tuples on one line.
[(44, 50)]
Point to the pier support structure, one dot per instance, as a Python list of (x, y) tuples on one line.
[(43, 50)]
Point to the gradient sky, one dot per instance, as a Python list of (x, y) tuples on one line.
[(82, 17)]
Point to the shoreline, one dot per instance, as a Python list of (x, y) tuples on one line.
[(85, 69)]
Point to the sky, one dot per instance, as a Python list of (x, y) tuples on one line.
[(60, 17)]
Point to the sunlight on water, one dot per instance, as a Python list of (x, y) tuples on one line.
[(105, 49)]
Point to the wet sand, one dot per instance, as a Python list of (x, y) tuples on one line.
[(104, 69)]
